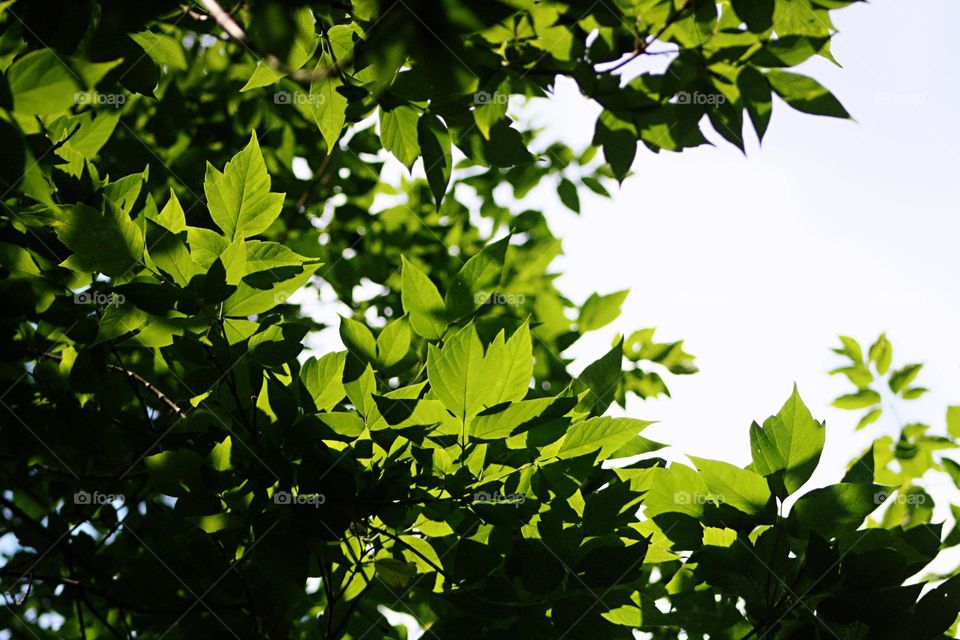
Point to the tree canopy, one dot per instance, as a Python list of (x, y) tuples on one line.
[(179, 178)]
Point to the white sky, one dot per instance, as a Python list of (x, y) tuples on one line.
[(759, 262)]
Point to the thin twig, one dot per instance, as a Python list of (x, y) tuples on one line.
[(196, 15), (149, 386), (136, 390), (349, 612), (99, 616), (113, 598), (642, 45), (328, 590), (84, 476), (398, 540), (235, 31)]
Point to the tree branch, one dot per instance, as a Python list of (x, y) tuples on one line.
[(642, 45), (235, 31), (149, 386), (399, 541)]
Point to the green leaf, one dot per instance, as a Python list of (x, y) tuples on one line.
[(477, 280), (490, 108), (619, 141), (250, 300), (422, 302), (206, 246), (567, 191), (859, 400), (162, 49), (838, 508), (514, 361), (118, 320), (395, 411), (347, 424), (276, 345), (108, 242), (755, 90), (789, 50), (81, 137), (172, 471), (952, 468), (637, 616), (716, 537), (913, 393), (360, 392), (742, 489), (219, 457), (597, 384), (264, 74), (805, 94), (869, 418), (757, 14), (788, 446), (358, 339), (263, 256), (953, 421), (497, 425), (599, 311), (323, 379), (460, 376), (901, 378), (881, 354), (172, 217), (602, 434), (863, 469), (329, 105), (396, 573), (422, 554), (851, 349), (170, 254), (41, 83), (234, 261), (595, 185), (393, 343), (937, 610), (678, 489), (288, 34), (239, 199), (434, 140), (124, 192), (858, 374), (506, 147), (398, 133)]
